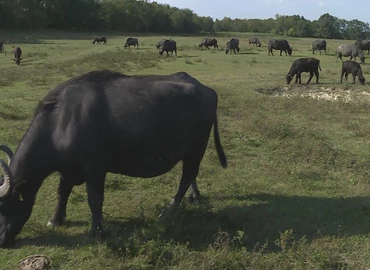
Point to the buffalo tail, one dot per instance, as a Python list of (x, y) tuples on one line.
[(220, 150)]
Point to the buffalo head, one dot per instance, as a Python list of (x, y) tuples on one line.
[(14, 211), (289, 78), (290, 50), (361, 80)]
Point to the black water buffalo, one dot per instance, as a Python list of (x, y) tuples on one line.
[(279, 44), (355, 69), (363, 45), (168, 45), (104, 121), (17, 55), (232, 45), (311, 65), (1, 46), (254, 41), (100, 39), (208, 42), (132, 42), (351, 50), (319, 45)]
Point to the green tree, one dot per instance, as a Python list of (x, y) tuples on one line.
[(356, 30), (328, 27)]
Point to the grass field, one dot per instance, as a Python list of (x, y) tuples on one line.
[(295, 194)]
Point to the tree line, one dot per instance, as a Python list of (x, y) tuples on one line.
[(151, 17)]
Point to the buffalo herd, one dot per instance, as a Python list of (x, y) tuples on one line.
[(303, 65), (142, 126)]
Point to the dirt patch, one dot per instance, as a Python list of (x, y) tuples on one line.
[(332, 93)]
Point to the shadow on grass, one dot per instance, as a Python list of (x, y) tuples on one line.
[(12, 116), (249, 53), (261, 217)]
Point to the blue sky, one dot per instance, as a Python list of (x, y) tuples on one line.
[(264, 9)]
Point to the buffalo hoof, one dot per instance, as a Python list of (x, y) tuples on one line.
[(169, 210), (97, 231), (193, 199), (55, 222)]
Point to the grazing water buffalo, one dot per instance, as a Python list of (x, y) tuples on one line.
[(232, 45), (319, 45), (1, 46), (279, 44), (159, 44), (168, 45), (132, 42), (311, 65), (254, 41), (100, 39), (101, 122), (207, 42), (363, 45), (17, 55), (355, 69), (351, 50)]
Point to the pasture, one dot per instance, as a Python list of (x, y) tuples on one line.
[(295, 195)]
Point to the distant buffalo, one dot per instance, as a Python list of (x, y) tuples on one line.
[(363, 45), (319, 45), (355, 69), (17, 55), (232, 45), (311, 65), (132, 42), (279, 44), (1, 46), (100, 39), (351, 50), (208, 42), (159, 44), (167, 45), (254, 41)]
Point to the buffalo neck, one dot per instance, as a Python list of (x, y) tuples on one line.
[(33, 160)]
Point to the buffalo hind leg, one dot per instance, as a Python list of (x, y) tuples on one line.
[(194, 196), (190, 172), (64, 190), (95, 197), (311, 75)]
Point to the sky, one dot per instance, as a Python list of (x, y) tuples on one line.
[(264, 9)]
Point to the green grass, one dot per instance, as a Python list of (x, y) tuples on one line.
[(295, 194)]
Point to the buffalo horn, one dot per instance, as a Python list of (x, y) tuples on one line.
[(5, 187), (7, 151)]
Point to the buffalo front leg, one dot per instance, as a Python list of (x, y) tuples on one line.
[(95, 197), (64, 190), (298, 78)]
